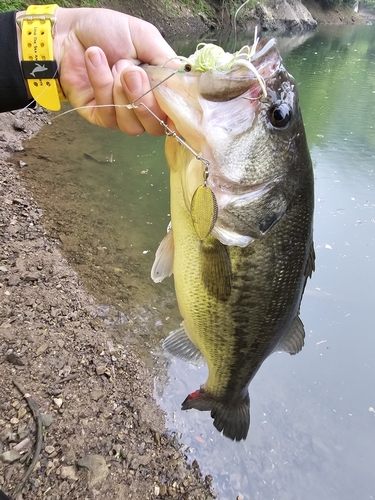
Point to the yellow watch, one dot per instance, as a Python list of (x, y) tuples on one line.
[(38, 65)]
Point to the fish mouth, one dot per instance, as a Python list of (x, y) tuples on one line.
[(245, 76), (218, 85)]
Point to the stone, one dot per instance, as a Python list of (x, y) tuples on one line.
[(101, 369), (47, 419), (97, 467), (42, 349), (10, 456), (19, 124), (69, 472), (21, 412), (96, 395)]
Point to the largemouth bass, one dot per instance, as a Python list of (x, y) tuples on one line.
[(240, 247)]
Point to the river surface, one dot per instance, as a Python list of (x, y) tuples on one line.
[(106, 199)]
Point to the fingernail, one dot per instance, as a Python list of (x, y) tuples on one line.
[(134, 81), (95, 58)]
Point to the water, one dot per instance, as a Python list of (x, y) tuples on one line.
[(312, 429)]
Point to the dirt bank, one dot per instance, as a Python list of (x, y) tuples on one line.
[(103, 434)]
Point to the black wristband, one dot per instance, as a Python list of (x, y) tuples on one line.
[(13, 92)]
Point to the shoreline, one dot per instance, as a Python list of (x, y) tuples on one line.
[(104, 435)]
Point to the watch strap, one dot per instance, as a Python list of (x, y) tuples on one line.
[(38, 64)]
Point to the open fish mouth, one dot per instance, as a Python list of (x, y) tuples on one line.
[(248, 73), (224, 76)]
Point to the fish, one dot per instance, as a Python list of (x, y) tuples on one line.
[(38, 69), (240, 246)]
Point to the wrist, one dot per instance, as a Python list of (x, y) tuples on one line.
[(19, 46)]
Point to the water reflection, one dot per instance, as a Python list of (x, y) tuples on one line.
[(312, 421)]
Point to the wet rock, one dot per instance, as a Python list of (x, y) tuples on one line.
[(97, 467)]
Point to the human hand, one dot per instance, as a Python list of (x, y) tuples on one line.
[(98, 53)]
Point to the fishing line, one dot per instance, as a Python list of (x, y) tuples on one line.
[(235, 23), (207, 57), (172, 133), (167, 130)]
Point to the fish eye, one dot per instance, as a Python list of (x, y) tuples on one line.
[(187, 67), (280, 115)]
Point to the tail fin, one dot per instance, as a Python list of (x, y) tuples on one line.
[(233, 418)]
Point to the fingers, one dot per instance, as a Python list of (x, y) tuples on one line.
[(114, 89), (101, 79), (148, 42), (131, 82)]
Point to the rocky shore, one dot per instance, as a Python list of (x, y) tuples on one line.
[(103, 435)]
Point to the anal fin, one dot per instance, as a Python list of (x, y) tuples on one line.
[(310, 266), (295, 339), (178, 344)]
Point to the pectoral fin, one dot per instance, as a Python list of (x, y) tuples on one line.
[(179, 344), (295, 339), (163, 263), (216, 268), (230, 238)]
